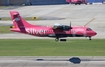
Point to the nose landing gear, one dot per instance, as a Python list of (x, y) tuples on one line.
[(90, 38)]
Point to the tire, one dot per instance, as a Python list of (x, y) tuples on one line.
[(62, 39)]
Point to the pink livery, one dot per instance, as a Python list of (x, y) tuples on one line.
[(57, 31)]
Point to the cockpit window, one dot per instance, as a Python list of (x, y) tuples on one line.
[(88, 29)]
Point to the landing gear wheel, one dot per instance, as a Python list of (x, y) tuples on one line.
[(62, 39), (56, 40), (90, 38)]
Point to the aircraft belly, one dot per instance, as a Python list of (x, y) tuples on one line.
[(64, 35)]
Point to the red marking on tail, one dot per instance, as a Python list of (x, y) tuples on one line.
[(18, 21)]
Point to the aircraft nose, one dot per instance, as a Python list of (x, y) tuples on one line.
[(94, 33), (91, 33)]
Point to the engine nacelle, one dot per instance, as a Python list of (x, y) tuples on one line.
[(61, 27)]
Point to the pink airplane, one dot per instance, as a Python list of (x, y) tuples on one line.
[(57, 31)]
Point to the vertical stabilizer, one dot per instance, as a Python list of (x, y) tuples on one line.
[(18, 21)]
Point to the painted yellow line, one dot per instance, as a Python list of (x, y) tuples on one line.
[(89, 22)]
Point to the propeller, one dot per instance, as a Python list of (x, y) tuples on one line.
[(70, 25)]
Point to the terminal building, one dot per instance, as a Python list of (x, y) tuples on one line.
[(41, 2)]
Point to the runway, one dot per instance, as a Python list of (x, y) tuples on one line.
[(49, 61)]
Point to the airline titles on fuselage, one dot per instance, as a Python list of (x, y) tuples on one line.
[(37, 31), (34, 31)]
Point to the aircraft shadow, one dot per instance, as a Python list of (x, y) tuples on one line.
[(74, 60)]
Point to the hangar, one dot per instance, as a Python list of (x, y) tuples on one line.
[(48, 2), (40, 2), (31, 2), (11, 2)]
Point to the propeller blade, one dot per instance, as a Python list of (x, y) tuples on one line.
[(70, 25)]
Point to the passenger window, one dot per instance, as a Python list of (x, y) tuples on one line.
[(88, 29)]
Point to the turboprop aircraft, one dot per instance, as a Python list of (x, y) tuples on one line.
[(57, 31)]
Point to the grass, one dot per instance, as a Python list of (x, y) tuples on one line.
[(1, 7), (5, 29), (26, 18), (45, 47)]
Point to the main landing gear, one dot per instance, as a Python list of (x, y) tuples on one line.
[(57, 39)]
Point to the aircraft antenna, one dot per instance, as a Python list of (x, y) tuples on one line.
[(89, 22)]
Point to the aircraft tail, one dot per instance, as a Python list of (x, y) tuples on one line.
[(18, 21)]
